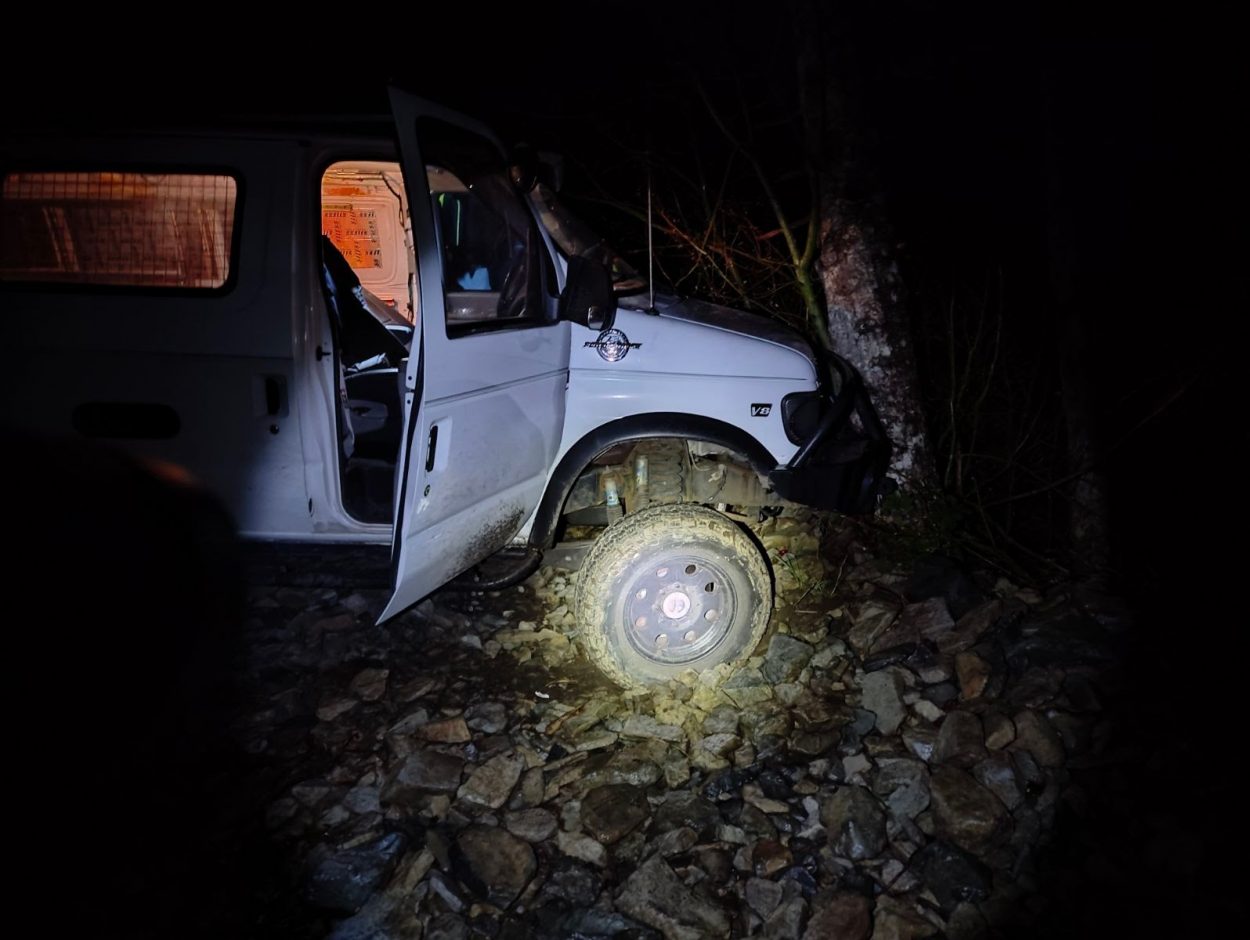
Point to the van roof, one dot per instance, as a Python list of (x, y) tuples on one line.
[(269, 126)]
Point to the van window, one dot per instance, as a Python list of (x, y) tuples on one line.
[(118, 229), (365, 215), (491, 250)]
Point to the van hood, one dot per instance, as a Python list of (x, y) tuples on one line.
[(725, 318)]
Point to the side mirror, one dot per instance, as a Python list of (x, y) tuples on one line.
[(587, 297)]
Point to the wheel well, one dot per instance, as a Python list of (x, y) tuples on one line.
[(634, 430)]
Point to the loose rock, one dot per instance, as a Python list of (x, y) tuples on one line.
[(839, 915), (362, 800), (969, 627), (1037, 736), (684, 808), (927, 710), (673, 842), (960, 740), (930, 619), (856, 823), (785, 658), (720, 744), (343, 881), (655, 896), (965, 812), (747, 688), (487, 717), (644, 726), (445, 731), (336, 705), (871, 623), (491, 784), (424, 772), (973, 673), (904, 785), (572, 883), (786, 922), (951, 874), (769, 857), (447, 926), (494, 863), (582, 847), (883, 693), (369, 685), (999, 730), (762, 895), (596, 923), (921, 741), (997, 774), (441, 886), (611, 812), (723, 719), (532, 825), (895, 919)]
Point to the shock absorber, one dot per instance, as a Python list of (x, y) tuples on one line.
[(640, 479)]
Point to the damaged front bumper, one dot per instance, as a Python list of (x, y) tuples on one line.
[(842, 461)]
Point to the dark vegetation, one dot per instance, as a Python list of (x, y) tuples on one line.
[(1035, 191)]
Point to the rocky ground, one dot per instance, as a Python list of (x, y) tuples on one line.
[(895, 762)]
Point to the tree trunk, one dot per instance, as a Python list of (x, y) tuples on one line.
[(1075, 219), (1088, 510), (868, 327), (862, 289)]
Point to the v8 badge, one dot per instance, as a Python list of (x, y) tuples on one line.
[(761, 409)]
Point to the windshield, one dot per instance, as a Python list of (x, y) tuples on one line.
[(576, 239)]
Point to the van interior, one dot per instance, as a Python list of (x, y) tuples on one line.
[(492, 266), (369, 292)]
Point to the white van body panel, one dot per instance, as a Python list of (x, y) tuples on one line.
[(484, 431), (205, 355), (686, 367), (252, 374)]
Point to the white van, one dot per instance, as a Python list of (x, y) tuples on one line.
[(389, 334)]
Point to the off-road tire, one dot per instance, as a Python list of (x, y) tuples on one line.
[(622, 601)]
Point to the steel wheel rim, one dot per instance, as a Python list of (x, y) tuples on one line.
[(678, 607)]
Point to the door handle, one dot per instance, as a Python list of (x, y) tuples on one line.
[(430, 447), (273, 395), (269, 396)]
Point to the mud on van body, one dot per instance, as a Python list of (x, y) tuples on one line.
[(387, 333)]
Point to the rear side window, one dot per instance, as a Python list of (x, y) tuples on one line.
[(172, 230)]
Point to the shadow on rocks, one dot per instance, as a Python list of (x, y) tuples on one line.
[(125, 601)]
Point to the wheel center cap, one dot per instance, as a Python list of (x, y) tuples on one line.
[(675, 605)]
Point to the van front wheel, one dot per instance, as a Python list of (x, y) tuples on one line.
[(671, 588)]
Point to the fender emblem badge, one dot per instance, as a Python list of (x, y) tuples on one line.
[(761, 409), (612, 345)]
